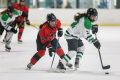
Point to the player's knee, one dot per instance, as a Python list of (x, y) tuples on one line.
[(41, 53), (71, 54), (60, 52), (81, 49)]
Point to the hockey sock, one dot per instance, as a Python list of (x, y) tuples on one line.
[(60, 52), (68, 57), (80, 52), (37, 56), (5, 36), (20, 33), (79, 55), (9, 36)]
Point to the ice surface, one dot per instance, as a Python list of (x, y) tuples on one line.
[(13, 64)]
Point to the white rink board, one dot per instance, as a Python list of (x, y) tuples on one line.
[(66, 16), (13, 64)]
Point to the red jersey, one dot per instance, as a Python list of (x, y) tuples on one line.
[(48, 34), (18, 7)]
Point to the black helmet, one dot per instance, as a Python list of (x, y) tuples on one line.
[(51, 17), (10, 9), (22, 0), (92, 11)]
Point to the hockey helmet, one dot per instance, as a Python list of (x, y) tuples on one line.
[(51, 17), (92, 11), (10, 9)]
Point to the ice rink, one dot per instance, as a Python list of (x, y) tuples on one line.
[(13, 64)]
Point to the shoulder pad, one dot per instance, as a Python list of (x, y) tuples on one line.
[(5, 17)]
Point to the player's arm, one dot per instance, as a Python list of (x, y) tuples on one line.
[(88, 36), (4, 22), (27, 21), (6, 25), (60, 30), (20, 13)]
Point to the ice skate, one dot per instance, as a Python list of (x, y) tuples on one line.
[(60, 68), (76, 64), (19, 41), (69, 65), (29, 66), (8, 48), (4, 40)]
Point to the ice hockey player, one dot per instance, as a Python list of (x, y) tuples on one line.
[(46, 38), (7, 22), (21, 6), (79, 29)]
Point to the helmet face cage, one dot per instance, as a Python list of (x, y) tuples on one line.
[(92, 11)]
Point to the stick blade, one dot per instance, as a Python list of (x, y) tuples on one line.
[(106, 67)]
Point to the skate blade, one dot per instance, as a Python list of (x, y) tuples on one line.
[(8, 50), (2, 42), (19, 42), (59, 70), (51, 70), (75, 69), (27, 68), (70, 67)]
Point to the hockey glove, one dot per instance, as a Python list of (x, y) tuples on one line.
[(60, 32), (13, 30), (94, 28), (96, 43), (28, 22), (51, 50)]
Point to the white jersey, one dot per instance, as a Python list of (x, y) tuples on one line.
[(79, 29), (6, 20)]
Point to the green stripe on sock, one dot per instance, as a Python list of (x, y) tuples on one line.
[(79, 56), (65, 59)]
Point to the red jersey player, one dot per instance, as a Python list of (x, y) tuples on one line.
[(21, 6), (47, 38)]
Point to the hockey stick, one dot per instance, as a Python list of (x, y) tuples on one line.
[(34, 26), (54, 55), (104, 67)]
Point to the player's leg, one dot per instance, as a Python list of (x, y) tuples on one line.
[(80, 52), (8, 40), (5, 37), (13, 24), (39, 54), (59, 51), (72, 50), (21, 29)]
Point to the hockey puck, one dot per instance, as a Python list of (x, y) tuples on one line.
[(106, 73)]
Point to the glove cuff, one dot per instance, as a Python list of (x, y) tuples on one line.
[(94, 40), (60, 29)]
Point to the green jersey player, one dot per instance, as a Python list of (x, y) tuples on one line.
[(7, 23), (79, 29)]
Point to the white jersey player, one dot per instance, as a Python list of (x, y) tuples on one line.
[(7, 23), (79, 29)]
